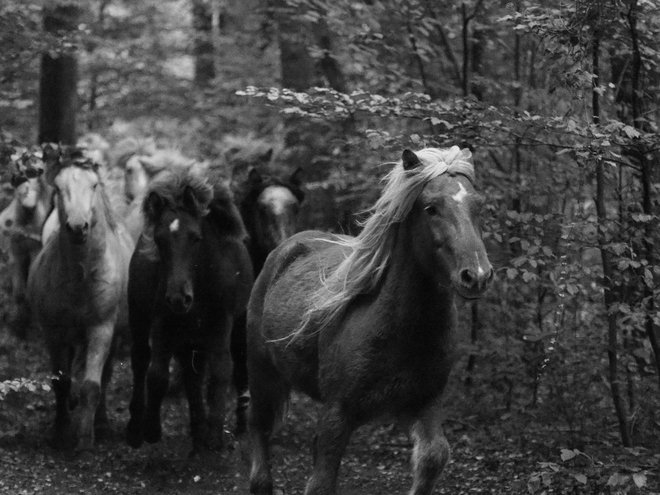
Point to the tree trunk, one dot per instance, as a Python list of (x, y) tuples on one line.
[(59, 78), (202, 13), (608, 269)]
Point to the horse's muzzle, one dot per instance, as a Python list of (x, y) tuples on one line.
[(180, 304), (471, 284), (78, 233)]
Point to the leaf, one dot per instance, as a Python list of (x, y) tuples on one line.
[(639, 479), (511, 273), (617, 479), (631, 132), (567, 455), (580, 478)]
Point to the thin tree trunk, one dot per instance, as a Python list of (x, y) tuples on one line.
[(202, 12), (608, 269), (58, 82), (418, 59), (329, 64)]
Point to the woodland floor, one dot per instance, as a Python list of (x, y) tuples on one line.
[(498, 453)]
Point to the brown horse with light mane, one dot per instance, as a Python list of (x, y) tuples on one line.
[(367, 325)]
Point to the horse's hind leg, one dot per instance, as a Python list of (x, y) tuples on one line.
[(220, 369), (333, 433), (268, 394), (193, 364), (62, 434), (140, 357), (101, 420), (98, 349), (240, 373), (430, 450)]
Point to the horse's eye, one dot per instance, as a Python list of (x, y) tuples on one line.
[(195, 238), (431, 210)]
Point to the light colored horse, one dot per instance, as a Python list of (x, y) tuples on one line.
[(20, 226), (77, 287)]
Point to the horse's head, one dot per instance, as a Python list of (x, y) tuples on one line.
[(273, 208), (76, 181), (176, 219), (136, 178), (27, 180), (446, 229)]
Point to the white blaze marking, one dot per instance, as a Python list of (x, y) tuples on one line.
[(276, 198), (460, 195), (480, 270), (174, 226)]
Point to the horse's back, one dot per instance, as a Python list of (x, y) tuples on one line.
[(280, 298)]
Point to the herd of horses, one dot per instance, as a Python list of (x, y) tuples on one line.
[(167, 253)]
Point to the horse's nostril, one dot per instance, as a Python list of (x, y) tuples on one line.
[(468, 278), (187, 300)]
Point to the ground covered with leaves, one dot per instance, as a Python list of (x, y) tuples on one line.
[(493, 452)]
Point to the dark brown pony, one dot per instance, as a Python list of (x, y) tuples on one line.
[(269, 206), (189, 278), (367, 325)]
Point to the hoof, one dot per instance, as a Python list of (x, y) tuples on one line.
[(152, 433), (134, 437), (85, 456), (102, 432), (62, 437)]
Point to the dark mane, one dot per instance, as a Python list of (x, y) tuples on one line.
[(212, 196), (223, 212)]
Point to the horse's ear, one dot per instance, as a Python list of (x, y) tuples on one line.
[(191, 203), (410, 160), (51, 158), (254, 177), (153, 206), (297, 177), (266, 156)]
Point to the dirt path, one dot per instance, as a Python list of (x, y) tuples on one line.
[(507, 455)]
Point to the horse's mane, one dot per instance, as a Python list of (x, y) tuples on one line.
[(128, 147), (212, 198), (244, 149), (369, 253)]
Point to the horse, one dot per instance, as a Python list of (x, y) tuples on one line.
[(77, 289), (269, 206), (21, 223), (190, 277), (367, 325)]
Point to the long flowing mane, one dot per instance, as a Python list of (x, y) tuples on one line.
[(370, 252)]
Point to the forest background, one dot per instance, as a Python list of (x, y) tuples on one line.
[(558, 100)]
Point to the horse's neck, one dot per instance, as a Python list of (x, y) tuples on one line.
[(409, 288)]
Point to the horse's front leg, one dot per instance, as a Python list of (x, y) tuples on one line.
[(333, 433), (99, 344), (158, 377), (220, 371), (430, 449)]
